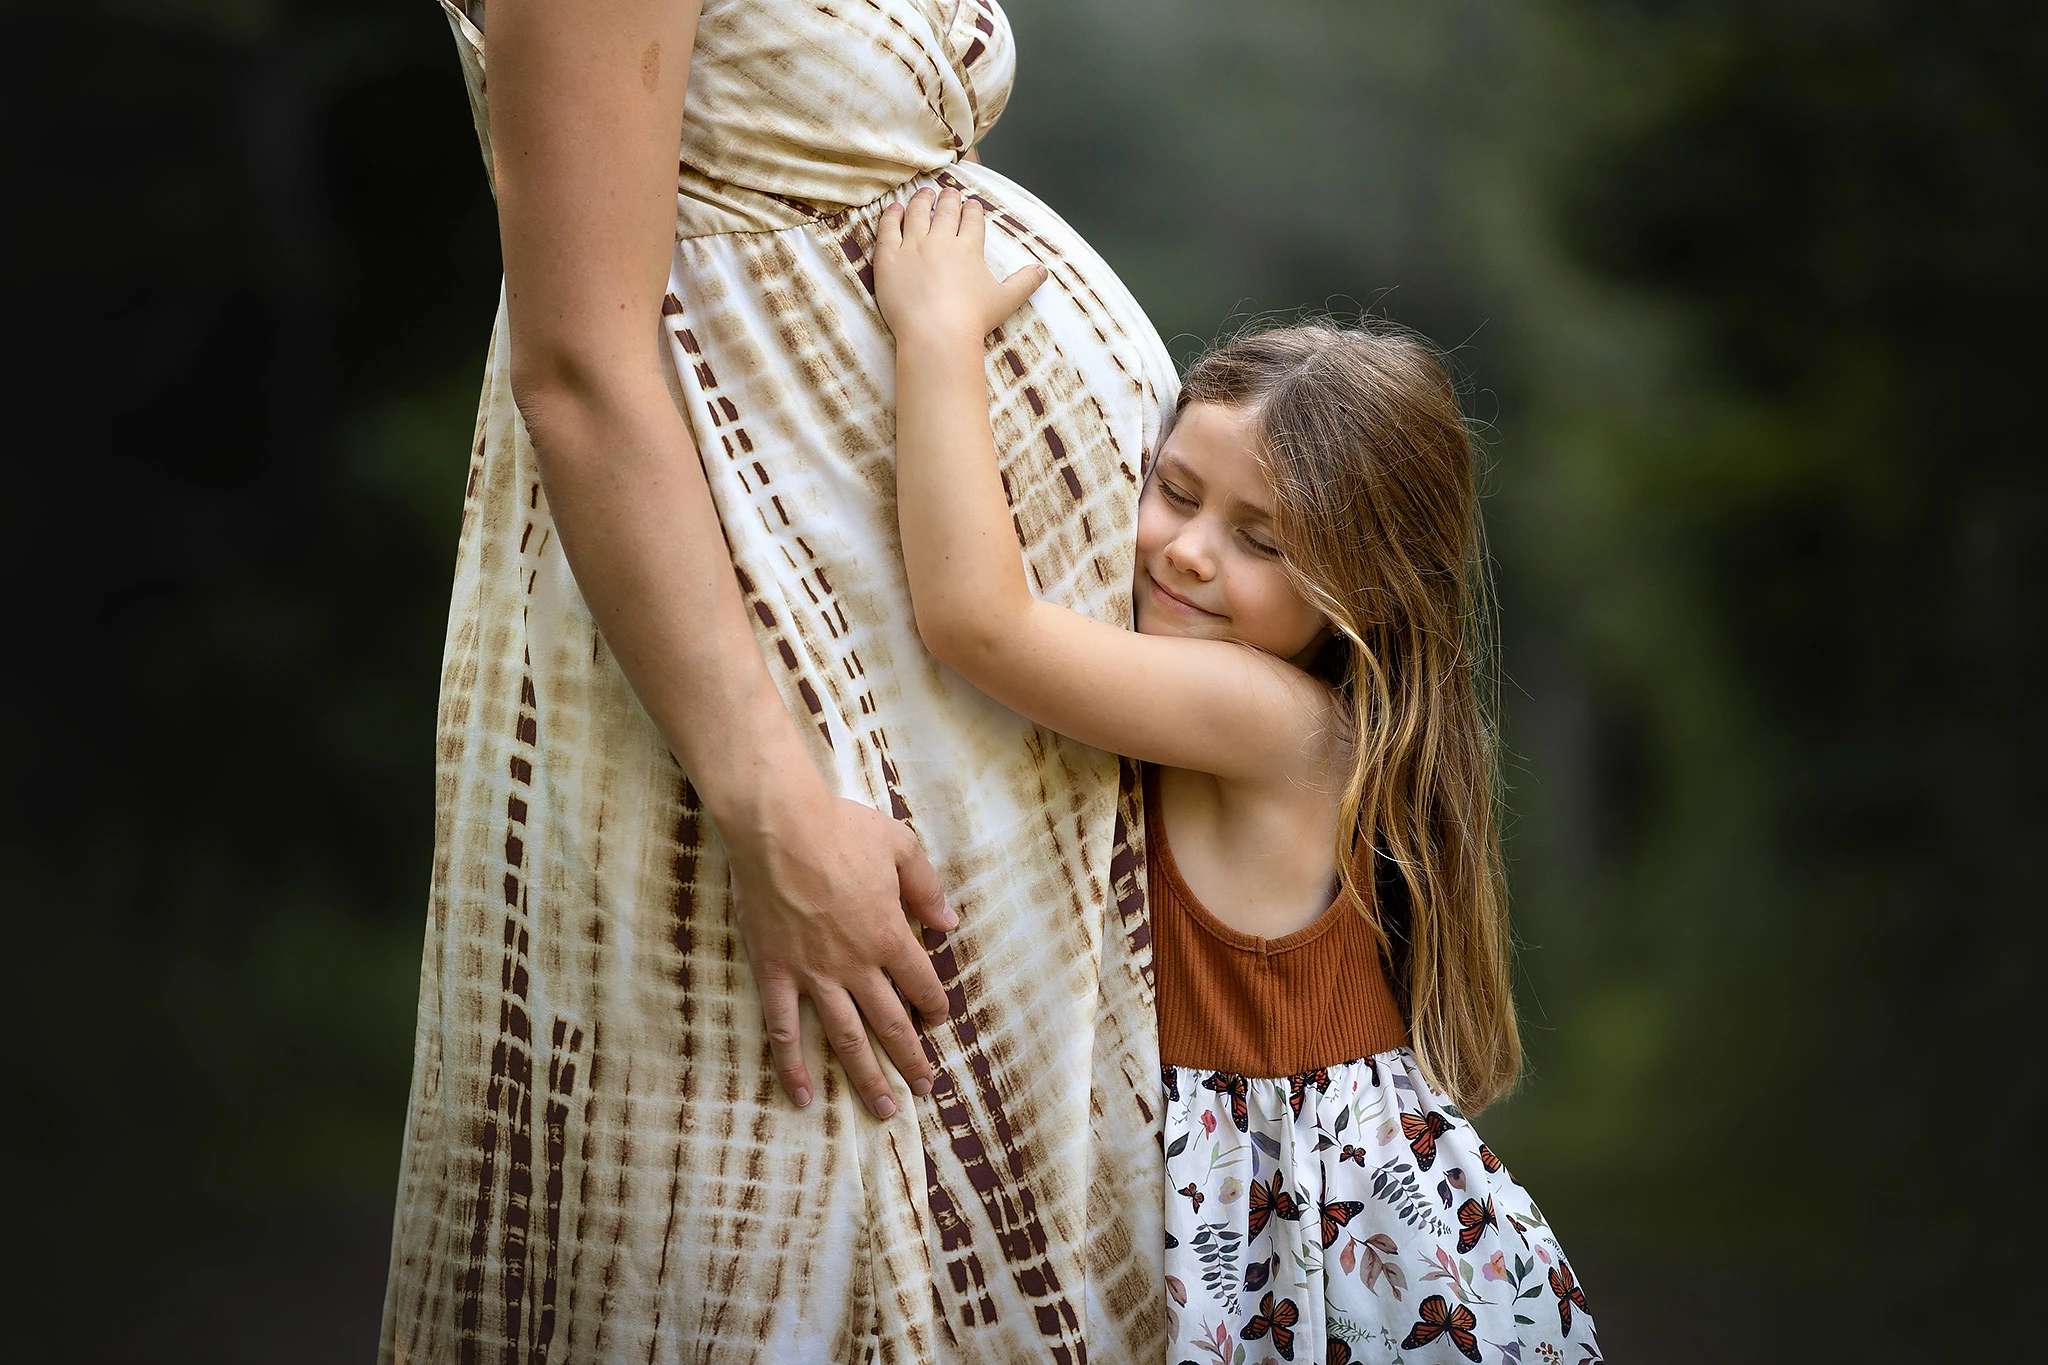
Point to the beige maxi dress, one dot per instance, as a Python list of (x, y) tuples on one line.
[(598, 1163)]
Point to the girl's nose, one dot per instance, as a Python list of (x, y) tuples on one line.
[(1189, 552)]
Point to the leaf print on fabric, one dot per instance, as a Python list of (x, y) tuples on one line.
[(1179, 1145), (1377, 1261), (1394, 1184), (1216, 1246)]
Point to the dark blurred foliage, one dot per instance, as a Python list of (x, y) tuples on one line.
[(1742, 289)]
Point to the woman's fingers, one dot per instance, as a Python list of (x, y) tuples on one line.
[(918, 884), (848, 1038), (785, 1034), (910, 967), (898, 1036)]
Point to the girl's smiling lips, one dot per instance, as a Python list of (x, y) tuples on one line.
[(1172, 599)]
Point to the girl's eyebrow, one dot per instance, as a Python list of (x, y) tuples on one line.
[(1250, 511), (1174, 465)]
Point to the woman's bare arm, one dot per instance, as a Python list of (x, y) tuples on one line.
[(586, 108)]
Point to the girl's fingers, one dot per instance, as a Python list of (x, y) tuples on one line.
[(890, 232), (785, 1036), (917, 214), (946, 214), (1020, 286), (849, 1039)]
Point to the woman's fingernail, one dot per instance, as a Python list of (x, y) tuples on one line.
[(802, 1097), (921, 1087), (884, 1107)]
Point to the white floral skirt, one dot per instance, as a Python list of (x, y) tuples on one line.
[(1352, 1214)]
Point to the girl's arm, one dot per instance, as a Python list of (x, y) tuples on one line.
[(586, 109), (1206, 705)]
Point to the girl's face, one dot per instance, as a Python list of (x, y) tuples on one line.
[(1208, 562)]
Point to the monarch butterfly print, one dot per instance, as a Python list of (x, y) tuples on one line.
[(1474, 1218), (1297, 1087), (1337, 1352), (1279, 1319), (1170, 1078), (1235, 1087), (1489, 1160), (1354, 1155), (1269, 1202), (1422, 1131), (1439, 1319), (1566, 1286), (1336, 1213), (1193, 1195)]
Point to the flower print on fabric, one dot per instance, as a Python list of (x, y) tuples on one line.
[(1352, 1214)]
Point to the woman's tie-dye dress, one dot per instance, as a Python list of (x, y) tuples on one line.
[(598, 1164)]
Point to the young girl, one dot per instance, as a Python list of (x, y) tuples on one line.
[(1328, 918)]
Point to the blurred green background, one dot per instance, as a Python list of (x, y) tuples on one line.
[(1749, 297)]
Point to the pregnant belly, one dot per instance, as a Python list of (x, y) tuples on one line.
[(786, 371)]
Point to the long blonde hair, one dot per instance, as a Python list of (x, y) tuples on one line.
[(1378, 524)]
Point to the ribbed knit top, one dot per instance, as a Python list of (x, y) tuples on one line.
[(1235, 1002)]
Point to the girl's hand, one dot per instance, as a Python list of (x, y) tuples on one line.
[(930, 280), (821, 888)]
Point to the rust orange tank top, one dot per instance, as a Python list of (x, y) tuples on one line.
[(1235, 1002)]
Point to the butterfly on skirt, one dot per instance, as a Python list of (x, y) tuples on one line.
[(1268, 1202), (1235, 1087), (1566, 1286), (1169, 1077), (1354, 1155), (1277, 1318), (1193, 1195), (1422, 1131), (1297, 1087), (1336, 1213), (1440, 1319), (1474, 1218)]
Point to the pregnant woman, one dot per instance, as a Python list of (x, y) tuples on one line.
[(692, 757)]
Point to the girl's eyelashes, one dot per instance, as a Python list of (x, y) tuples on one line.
[(1174, 495), (1261, 547)]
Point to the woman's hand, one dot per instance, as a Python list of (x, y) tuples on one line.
[(820, 890), (930, 281)]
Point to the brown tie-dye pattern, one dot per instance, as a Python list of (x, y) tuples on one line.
[(598, 1164)]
